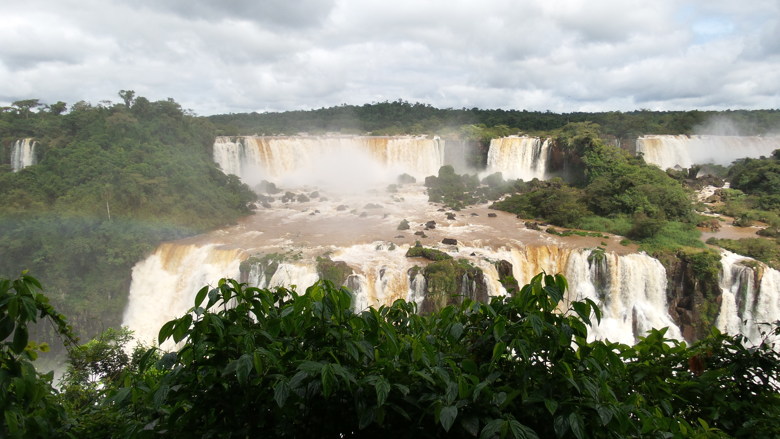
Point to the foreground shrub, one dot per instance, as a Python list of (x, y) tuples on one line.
[(285, 364)]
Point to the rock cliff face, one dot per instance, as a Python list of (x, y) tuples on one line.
[(449, 281), (734, 293), (506, 276), (693, 292), (565, 163)]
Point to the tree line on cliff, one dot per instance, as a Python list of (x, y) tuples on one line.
[(113, 180), (402, 117)]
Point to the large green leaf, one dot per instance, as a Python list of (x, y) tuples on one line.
[(20, 339), (447, 416)]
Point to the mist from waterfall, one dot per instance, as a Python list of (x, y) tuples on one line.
[(336, 162)]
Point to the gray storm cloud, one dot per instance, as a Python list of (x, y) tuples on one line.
[(240, 56)]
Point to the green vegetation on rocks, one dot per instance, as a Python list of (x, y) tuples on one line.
[(453, 190), (268, 263), (418, 251), (764, 250), (336, 272)]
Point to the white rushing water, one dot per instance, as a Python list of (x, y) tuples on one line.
[(685, 151), (630, 289), (750, 296), (165, 283), (23, 154), (328, 160), (519, 157)]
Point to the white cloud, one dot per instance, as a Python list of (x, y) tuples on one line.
[(569, 55)]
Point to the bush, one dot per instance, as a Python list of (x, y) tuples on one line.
[(645, 227), (556, 202), (285, 364), (431, 254), (671, 236), (618, 224)]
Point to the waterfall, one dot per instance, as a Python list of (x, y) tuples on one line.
[(23, 154), (313, 160), (165, 283), (519, 157), (750, 296), (630, 289), (685, 151)]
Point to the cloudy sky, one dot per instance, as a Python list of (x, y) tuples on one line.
[(226, 56)]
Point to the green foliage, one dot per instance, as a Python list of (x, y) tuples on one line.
[(705, 264), (449, 282), (99, 361), (756, 197), (621, 184), (112, 183), (285, 364), (756, 176), (452, 190), (401, 117), (617, 224), (554, 201), (578, 136), (255, 362), (418, 251), (94, 370), (621, 195), (765, 250), (554, 231), (27, 400), (672, 235)]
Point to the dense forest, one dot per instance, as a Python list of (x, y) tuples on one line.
[(112, 181), (401, 117)]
